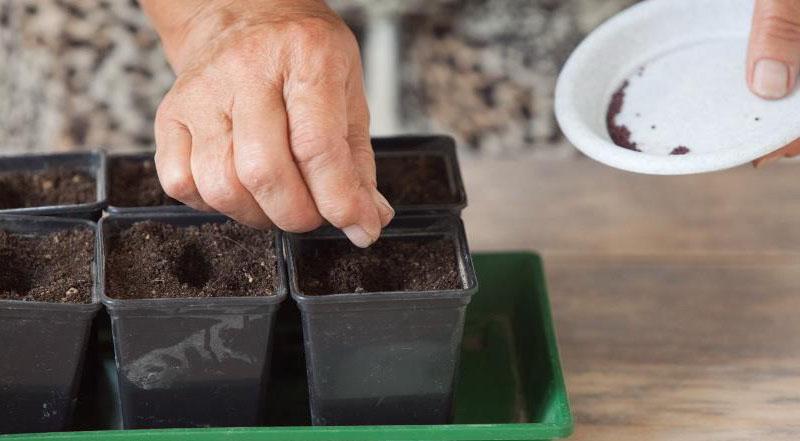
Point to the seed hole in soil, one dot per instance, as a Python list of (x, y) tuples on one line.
[(391, 264), (55, 186), (422, 179), (192, 268), (10, 197), (158, 260), (15, 278), (50, 267)]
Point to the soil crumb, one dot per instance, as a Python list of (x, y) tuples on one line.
[(134, 183), (391, 264), (680, 150), (54, 267), (55, 186), (414, 180), (619, 133), (157, 260)]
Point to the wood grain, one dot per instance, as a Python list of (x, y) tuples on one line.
[(676, 299), (582, 207)]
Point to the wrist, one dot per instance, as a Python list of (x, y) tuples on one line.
[(183, 24), (185, 27)]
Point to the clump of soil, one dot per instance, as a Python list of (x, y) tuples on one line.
[(391, 264), (619, 133), (54, 186), (134, 183), (680, 150), (410, 180), (54, 267), (158, 260)]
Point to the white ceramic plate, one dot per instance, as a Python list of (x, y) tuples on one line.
[(684, 62)]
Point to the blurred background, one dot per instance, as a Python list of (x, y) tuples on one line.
[(675, 298), (81, 73)]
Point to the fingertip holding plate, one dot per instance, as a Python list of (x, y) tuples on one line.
[(675, 71)]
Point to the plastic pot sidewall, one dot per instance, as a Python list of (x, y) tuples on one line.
[(93, 162), (44, 347), (191, 362), (385, 358)]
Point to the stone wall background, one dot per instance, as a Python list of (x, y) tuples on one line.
[(86, 73)]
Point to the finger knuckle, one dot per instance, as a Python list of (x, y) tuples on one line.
[(341, 211), (298, 221), (177, 183), (217, 193), (781, 28), (257, 175), (314, 152), (312, 31)]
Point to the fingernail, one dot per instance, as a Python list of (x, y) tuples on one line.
[(387, 212), (358, 236), (771, 79)]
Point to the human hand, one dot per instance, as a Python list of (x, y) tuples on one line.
[(773, 58), (267, 120)]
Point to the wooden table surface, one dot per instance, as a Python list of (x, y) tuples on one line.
[(676, 299)]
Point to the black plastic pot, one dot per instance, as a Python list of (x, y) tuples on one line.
[(90, 162), (383, 357), (435, 146), (139, 156), (43, 347), (191, 362)]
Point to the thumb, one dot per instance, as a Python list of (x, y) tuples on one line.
[(773, 57)]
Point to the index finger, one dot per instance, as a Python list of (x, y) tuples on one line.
[(318, 134)]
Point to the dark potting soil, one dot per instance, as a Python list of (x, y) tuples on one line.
[(619, 133), (56, 267), (158, 260), (54, 186), (414, 180), (391, 264), (134, 183)]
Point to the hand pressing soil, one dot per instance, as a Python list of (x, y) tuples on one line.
[(55, 268), (414, 180), (56, 186), (391, 264), (134, 183), (158, 260)]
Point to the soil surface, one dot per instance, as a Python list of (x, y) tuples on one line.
[(134, 183), (391, 264), (55, 186), (157, 260), (414, 180), (56, 267)]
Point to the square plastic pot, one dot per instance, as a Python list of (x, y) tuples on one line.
[(190, 362), (384, 357), (440, 146), (93, 163), (43, 347), (138, 156)]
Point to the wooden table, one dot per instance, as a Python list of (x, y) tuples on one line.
[(676, 299)]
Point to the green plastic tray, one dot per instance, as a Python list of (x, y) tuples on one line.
[(510, 387)]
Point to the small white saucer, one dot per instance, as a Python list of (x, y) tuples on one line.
[(684, 64)]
